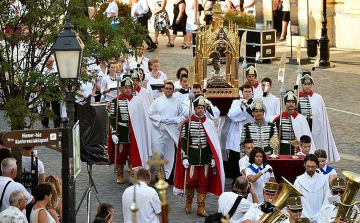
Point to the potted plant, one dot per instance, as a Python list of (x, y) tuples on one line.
[(242, 19)]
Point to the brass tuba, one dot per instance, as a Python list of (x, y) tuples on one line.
[(280, 202), (346, 211)]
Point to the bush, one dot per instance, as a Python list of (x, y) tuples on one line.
[(243, 20)]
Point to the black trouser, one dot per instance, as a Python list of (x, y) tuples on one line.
[(277, 18), (144, 23), (233, 168), (56, 109)]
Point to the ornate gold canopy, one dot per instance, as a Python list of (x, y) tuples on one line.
[(213, 42)]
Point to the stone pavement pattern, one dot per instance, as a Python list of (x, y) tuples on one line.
[(337, 85)]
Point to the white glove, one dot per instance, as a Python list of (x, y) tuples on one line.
[(171, 121), (164, 120), (212, 164), (267, 168), (186, 163), (115, 139)]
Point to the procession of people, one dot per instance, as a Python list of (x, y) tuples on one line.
[(183, 131)]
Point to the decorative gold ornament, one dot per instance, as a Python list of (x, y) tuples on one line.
[(202, 101), (252, 70), (295, 143), (274, 142)]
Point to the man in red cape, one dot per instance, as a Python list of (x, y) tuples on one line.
[(131, 131), (201, 160)]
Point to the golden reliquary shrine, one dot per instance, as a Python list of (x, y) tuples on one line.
[(220, 82)]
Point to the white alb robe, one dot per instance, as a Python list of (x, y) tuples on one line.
[(315, 191), (164, 136), (138, 120), (146, 100), (272, 104), (239, 117), (321, 131)]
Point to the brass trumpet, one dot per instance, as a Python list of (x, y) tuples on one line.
[(346, 211), (287, 191)]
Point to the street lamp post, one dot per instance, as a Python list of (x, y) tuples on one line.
[(68, 52), (324, 40)]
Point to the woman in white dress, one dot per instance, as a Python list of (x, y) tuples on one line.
[(108, 84), (39, 213), (161, 20), (156, 77)]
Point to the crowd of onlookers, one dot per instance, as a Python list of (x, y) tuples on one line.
[(41, 203)]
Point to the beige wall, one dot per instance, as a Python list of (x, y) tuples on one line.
[(343, 20), (347, 23)]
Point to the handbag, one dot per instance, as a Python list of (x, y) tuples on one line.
[(216, 218), (148, 14)]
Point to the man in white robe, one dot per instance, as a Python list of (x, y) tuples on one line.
[(165, 115), (314, 188), (272, 103), (238, 115), (312, 106), (146, 100)]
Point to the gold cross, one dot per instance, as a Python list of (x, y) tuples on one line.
[(158, 162)]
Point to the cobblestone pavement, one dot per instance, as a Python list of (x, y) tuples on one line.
[(337, 85)]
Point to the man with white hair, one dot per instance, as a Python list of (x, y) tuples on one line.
[(8, 185), (14, 212)]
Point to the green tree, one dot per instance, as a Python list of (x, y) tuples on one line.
[(29, 30), (27, 35)]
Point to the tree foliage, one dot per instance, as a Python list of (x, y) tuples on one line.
[(27, 35)]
